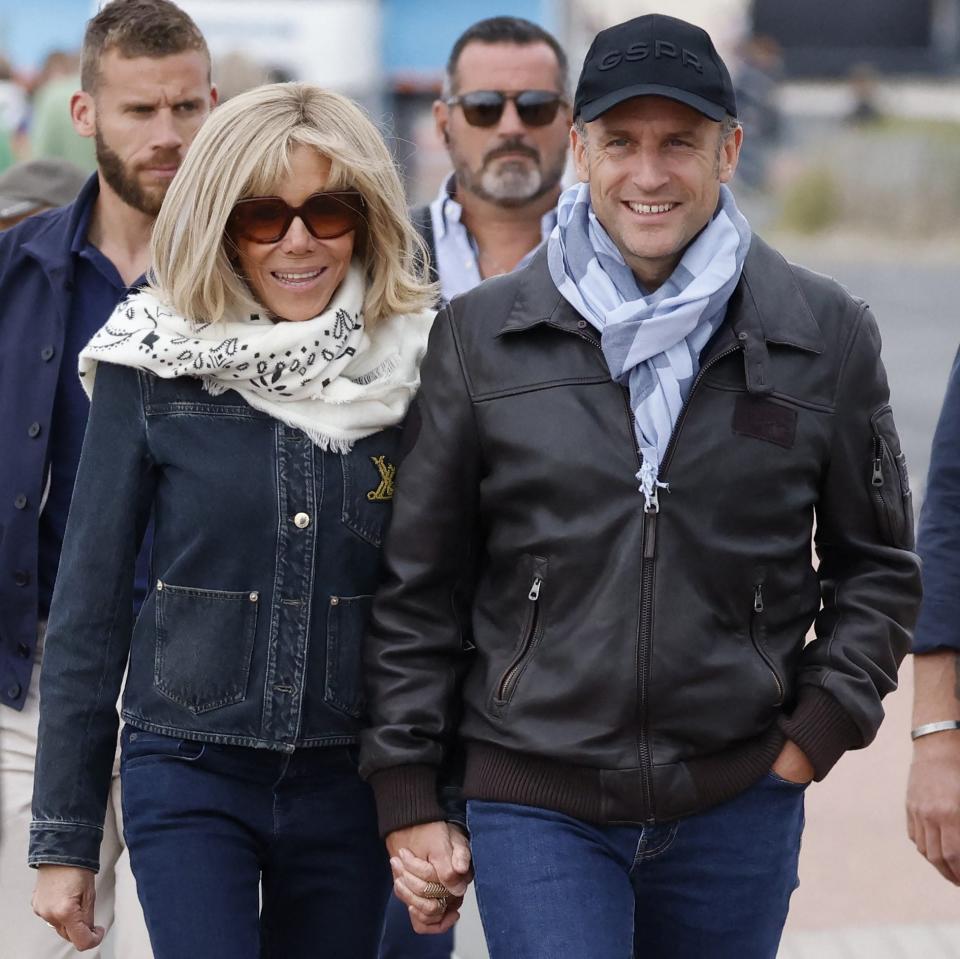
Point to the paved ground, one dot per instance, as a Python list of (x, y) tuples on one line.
[(864, 891)]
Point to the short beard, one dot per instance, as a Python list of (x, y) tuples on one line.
[(512, 183), (124, 183)]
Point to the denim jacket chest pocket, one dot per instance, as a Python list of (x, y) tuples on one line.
[(369, 474)]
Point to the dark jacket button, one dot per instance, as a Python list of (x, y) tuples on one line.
[(33, 430), (20, 502), (23, 650), (21, 577), (13, 692), (46, 354)]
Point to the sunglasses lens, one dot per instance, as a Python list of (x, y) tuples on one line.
[(260, 220), (329, 215), (537, 108), (483, 108)]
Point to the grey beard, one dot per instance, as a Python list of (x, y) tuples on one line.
[(511, 184)]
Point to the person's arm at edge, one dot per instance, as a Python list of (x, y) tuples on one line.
[(933, 790), (91, 611)]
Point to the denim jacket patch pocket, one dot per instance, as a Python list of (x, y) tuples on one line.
[(367, 492), (347, 622), (204, 645)]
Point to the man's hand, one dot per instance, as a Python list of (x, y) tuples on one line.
[(64, 898), (433, 852), (792, 764), (933, 801)]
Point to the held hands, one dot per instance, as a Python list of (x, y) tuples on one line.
[(933, 802), (792, 764), (64, 898), (434, 852)]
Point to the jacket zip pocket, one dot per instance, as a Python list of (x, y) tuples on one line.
[(509, 679), (756, 629)]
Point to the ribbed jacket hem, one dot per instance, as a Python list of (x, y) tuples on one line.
[(406, 796), (822, 728), (495, 774)]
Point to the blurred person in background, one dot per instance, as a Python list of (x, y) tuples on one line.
[(933, 790), (51, 130), (33, 186), (756, 77), (598, 577), (249, 400), (236, 73), (505, 118), (145, 90), (13, 107)]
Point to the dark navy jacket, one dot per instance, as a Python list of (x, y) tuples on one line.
[(938, 538), (264, 560), (36, 285)]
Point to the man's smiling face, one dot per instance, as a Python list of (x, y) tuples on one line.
[(654, 166)]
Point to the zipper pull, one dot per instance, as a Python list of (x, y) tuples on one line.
[(877, 479), (758, 598), (534, 593)]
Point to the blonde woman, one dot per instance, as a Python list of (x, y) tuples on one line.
[(249, 400)]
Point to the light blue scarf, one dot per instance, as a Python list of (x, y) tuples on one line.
[(651, 342)]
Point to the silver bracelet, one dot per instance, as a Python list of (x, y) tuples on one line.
[(927, 728)]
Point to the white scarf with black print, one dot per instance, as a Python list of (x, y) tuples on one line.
[(332, 376)]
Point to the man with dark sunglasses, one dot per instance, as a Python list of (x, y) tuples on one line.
[(505, 118)]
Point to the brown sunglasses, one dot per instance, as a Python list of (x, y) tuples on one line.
[(266, 219)]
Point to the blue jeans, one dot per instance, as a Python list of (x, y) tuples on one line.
[(715, 885), (212, 828)]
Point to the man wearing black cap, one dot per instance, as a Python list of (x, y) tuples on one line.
[(599, 580)]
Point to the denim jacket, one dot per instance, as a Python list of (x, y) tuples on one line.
[(265, 556)]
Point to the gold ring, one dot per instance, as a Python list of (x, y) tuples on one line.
[(435, 890)]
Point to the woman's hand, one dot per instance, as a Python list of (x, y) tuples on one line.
[(64, 898), (435, 852)]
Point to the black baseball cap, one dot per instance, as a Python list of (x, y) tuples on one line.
[(654, 55)]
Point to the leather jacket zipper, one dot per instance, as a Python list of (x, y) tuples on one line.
[(755, 628), (646, 573), (645, 629), (510, 676)]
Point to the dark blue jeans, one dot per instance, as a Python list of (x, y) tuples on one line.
[(715, 885), (212, 829)]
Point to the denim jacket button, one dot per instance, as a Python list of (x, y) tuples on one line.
[(301, 520), (21, 577), (13, 692), (334, 600), (23, 650), (20, 501), (254, 596)]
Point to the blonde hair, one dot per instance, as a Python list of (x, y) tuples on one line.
[(243, 150)]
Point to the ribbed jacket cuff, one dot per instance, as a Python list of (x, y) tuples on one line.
[(406, 796), (822, 728)]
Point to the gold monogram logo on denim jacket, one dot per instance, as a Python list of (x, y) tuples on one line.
[(384, 492)]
